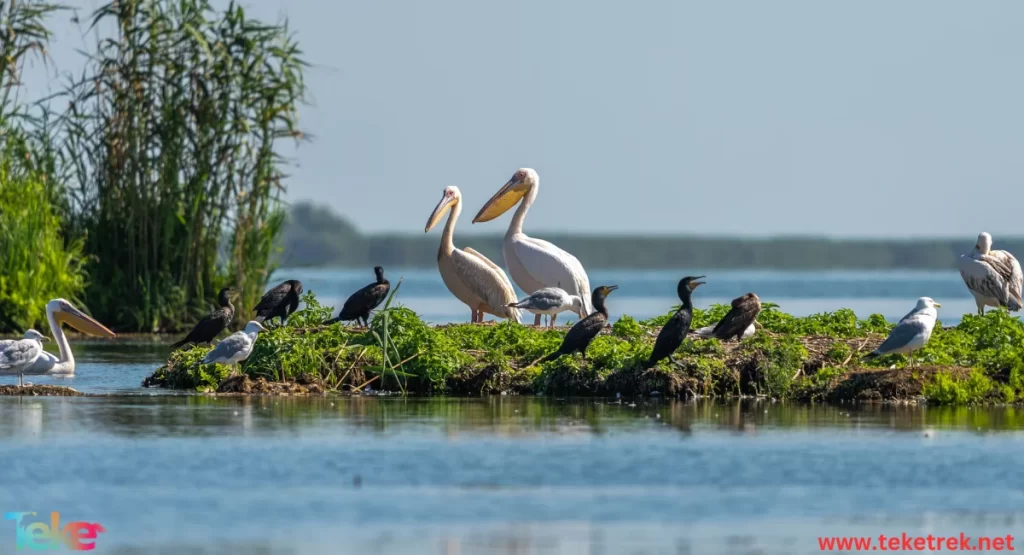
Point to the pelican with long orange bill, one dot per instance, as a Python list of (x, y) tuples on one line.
[(58, 312), (532, 263)]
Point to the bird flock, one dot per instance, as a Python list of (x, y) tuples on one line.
[(554, 280)]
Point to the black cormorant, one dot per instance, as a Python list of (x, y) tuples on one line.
[(213, 323), (671, 336), (280, 301), (743, 313), (359, 305), (584, 331)]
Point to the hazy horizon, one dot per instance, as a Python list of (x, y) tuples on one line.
[(743, 119)]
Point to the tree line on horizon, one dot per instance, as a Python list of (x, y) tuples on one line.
[(314, 235)]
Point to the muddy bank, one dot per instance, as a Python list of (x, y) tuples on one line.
[(39, 391)]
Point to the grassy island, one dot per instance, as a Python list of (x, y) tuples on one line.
[(816, 358)]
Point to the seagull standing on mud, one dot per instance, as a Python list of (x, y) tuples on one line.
[(551, 301), (18, 354), (236, 347), (993, 277), (912, 332)]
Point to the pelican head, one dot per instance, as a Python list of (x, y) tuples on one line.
[(515, 189), (254, 327), (449, 198), (927, 302), (984, 244), (64, 312), (34, 335)]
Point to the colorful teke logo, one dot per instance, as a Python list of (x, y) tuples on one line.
[(39, 536)]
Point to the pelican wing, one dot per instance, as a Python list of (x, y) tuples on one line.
[(996, 275), (553, 267), (485, 280)]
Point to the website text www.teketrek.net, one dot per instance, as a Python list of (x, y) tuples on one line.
[(904, 542)]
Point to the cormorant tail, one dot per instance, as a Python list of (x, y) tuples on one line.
[(260, 319), (179, 344), (332, 321)]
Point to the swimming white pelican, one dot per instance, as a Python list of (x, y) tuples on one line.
[(236, 347), (993, 277), (469, 275), (16, 355), (533, 263), (60, 311), (912, 332)]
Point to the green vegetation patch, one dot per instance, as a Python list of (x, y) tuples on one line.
[(816, 358)]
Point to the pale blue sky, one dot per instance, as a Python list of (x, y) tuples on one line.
[(722, 117)]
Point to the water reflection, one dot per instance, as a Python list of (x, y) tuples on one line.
[(505, 416)]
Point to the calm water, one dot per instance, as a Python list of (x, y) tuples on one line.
[(643, 294), (508, 475), (179, 473)]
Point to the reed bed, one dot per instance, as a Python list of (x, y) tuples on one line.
[(172, 136)]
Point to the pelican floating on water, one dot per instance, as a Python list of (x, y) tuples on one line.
[(236, 347), (533, 263), (993, 277), (912, 332), (16, 355), (551, 301), (60, 311), (469, 275)]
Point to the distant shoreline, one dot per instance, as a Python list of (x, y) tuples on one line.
[(315, 237)]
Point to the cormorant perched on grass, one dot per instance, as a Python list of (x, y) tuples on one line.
[(743, 313), (671, 336), (584, 331), (280, 301), (359, 305), (213, 323)]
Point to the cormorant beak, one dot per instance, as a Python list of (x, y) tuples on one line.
[(694, 284), (503, 200), (81, 322), (439, 211), (610, 288)]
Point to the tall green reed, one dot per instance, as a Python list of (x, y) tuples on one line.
[(172, 133)]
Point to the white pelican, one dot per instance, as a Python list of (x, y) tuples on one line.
[(912, 332), (533, 263), (993, 277), (16, 355), (60, 311), (236, 347), (469, 275), (551, 301)]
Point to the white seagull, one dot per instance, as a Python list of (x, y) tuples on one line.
[(993, 277), (912, 332), (18, 354), (551, 301), (236, 347), (533, 263)]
